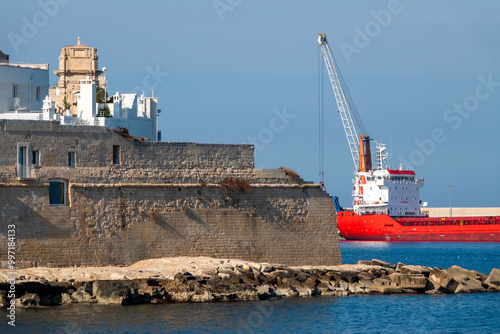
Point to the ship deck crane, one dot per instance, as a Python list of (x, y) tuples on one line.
[(347, 111)]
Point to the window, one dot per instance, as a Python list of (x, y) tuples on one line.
[(22, 161), (57, 192), (71, 159), (116, 155), (23, 170), (37, 94), (14, 91), (35, 158)]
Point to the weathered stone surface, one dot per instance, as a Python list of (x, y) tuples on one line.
[(66, 299), (493, 277), (357, 288), (323, 287), (386, 289), (3, 299), (365, 275), (149, 199), (441, 277), (384, 264), (182, 280), (382, 281), (82, 296), (467, 285), (412, 281), (366, 282), (27, 300), (399, 265), (458, 273), (346, 276), (493, 280), (410, 269)]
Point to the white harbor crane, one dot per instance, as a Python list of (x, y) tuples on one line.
[(345, 106)]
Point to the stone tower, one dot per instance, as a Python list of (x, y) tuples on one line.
[(76, 62)]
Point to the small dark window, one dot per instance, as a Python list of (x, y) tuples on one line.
[(37, 94), (71, 159), (14, 91), (57, 193), (35, 158), (116, 155)]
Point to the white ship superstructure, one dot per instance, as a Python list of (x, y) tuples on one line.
[(388, 191)]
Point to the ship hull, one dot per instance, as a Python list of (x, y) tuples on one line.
[(386, 228)]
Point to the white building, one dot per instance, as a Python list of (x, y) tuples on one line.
[(23, 87), (24, 95)]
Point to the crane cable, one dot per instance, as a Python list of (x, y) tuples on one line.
[(321, 136)]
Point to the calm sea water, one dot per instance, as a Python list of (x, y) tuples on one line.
[(465, 313)]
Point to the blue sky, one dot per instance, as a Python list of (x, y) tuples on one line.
[(234, 65)]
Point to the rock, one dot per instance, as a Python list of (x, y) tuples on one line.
[(346, 276), (325, 278), (323, 287), (265, 292), (416, 281), (384, 264), (341, 293), (434, 288), (365, 275), (459, 273), (385, 289), (287, 292), (413, 270), (267, 268), (493, 280), (310, 283), (66, 299), (399, 265), (493, 277), (82, 296), (378, 271), (300, 276), (364, 262), (468, 284), (366, 282), (27, 300), (3, 300), (479, 276), (382, 281), (442, 278), (356, 288)]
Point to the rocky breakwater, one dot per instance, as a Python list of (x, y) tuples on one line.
[(201, 279)]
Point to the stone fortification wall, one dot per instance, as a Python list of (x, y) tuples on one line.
[(161, 200)]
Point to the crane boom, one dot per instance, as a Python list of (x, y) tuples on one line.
[(340, 97)]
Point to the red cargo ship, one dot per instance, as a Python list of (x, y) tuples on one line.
[(387, 207), (387, 202), (385, 228)]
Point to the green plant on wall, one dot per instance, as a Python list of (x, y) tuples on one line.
[(104, 112), (101, 95), (66, 104)]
